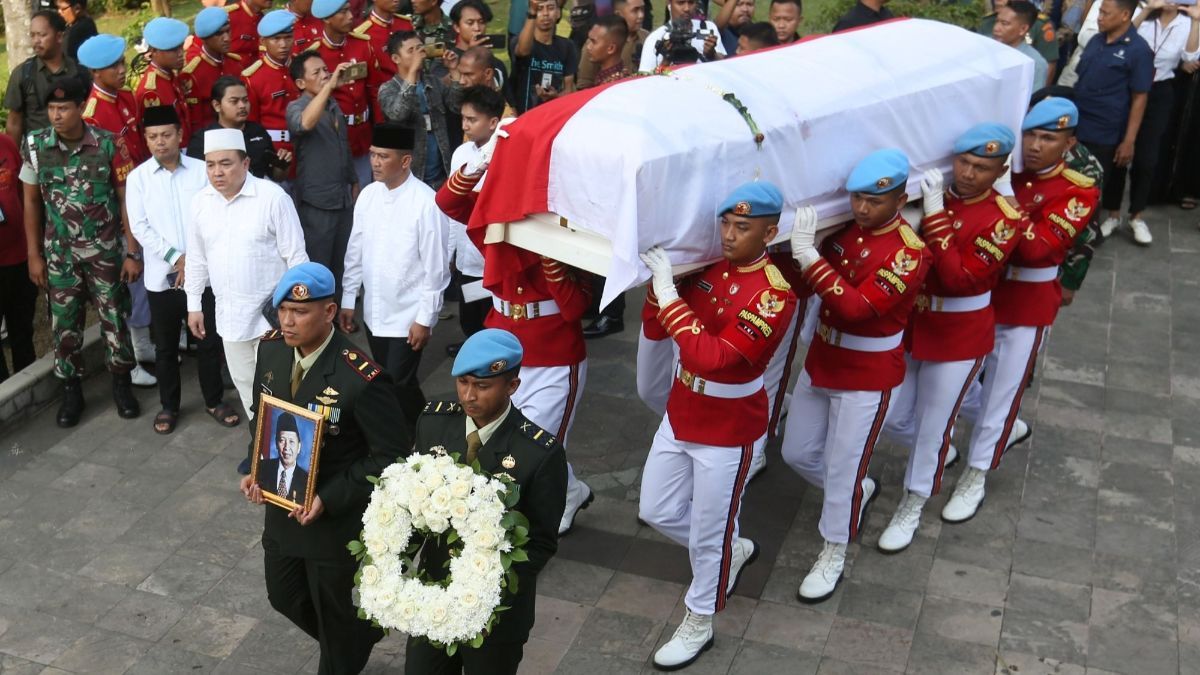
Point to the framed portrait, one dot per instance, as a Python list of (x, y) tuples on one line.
[(287, 445)]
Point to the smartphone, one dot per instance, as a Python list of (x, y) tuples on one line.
[(434, 50), (497, 40), (172, 278), (547, 80), (356, 71)]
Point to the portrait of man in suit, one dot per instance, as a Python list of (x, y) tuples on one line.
[(281, 474)]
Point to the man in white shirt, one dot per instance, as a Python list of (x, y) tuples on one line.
[(243, 235), (158, 195), (707, 43), (398, 252)]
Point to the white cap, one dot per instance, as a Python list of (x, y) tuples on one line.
[(224, 139)]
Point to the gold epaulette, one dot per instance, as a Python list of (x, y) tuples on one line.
[(362, 365), (252, 69), (151, 79), (191, 65), (232, 8), (441, 408), (775, 278), (910, 238), (90, 110), (1007, 209), (272, 334), (1078, 178), (313, 46), (360, 36), (362, 27), (235, 57)]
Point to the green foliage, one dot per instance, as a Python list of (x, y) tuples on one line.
[(965, 14), (132, 30)]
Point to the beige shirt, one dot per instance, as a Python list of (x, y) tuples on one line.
[(306, 362), (488, 429)]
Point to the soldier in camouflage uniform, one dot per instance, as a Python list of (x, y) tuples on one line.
[(1075, 267), (78, 173)]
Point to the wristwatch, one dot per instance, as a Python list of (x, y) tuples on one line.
[(136, 257)]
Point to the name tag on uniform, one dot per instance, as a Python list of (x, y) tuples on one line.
[(428, 123), (279, 94)]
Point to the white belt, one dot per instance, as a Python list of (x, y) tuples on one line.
[(970, 303), (354, 120), (1033, 275), (278, 135), (525, 310), (857, 342), (717, 389)]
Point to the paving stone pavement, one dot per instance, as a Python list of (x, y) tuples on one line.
[(126, 552)]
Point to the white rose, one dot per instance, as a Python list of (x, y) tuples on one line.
[(438, 524), (385, 515), (370, 575), (485, 539), (469, 599), (441, 498), (460, 489), (437, 614), (459, 510)]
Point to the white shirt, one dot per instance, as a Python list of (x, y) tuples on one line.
[(650, 57), (286, 475), (1168, 43), (470, 260), (398, 252), (158, 202), (241, 247)]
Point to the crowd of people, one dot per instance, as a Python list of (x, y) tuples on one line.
[(269, 179)]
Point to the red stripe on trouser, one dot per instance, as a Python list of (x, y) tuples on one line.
[(1013, 409), (572, 391), (781, 392), (868, 448), (949, 432), (735, 502)]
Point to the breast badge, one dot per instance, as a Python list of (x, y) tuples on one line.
[(1002, 232), (769, 306), (904, 263), (1077, 210)]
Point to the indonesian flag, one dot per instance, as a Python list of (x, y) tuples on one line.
[(648, 160)]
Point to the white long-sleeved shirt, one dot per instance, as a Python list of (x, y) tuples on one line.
[(398, 252), (241, 247), (1169, 44), (650, 57), (158, 202), (469, 260)]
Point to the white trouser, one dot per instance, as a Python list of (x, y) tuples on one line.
[(1006, 371), (692, 494), (828, 439), (241, 357), (922, 413), (549, 397), (779, 371), (655, 371)]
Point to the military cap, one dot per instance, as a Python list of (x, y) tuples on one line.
[(306, 282), (392, 136), (488, 353), (210, 21), (159, 115), (276, 22), (755, 199), (1053, 113), (101, 51), (879, 172), (165, 33), (987, 139), (323, 9), (66, 89)]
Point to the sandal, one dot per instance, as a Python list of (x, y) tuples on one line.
[(222, 414), (165, 421), (1188, 203)]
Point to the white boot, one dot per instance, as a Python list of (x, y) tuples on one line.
[(899, 533), (1109, 226), (825, 575), (579, 497), (745, 552), (693, 637), (1019, 434), (968, 495)]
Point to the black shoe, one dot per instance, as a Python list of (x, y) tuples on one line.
[(127, 403), (244, 467), (603, 326), (72, 404), (452, 349)]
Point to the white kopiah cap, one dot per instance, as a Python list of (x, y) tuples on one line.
[(224, 139)]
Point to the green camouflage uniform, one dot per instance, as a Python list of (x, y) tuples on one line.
[(1075, 267), (82, 240)]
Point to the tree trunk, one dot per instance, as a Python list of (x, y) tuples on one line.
[(17, 15)]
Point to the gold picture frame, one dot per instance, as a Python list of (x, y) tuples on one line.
[(306, 430)]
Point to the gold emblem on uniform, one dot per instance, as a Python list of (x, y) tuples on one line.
[(769, 305), (325, 400), (330, 391), (498, 366), (508, 462), (904, 263), (299, 292), (733, 289), (1038, 199), (1064, 121), (1077, 210), (992, 147), (741, 209), (1002, 232), (883, 182)]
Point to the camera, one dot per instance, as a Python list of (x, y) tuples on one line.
[(676, 48)]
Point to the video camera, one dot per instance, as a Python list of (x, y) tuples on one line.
[(676, 48)]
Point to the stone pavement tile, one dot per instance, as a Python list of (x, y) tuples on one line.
[(144, 615), (574, 581), (253, 560), (11, 665), (1067, 524), (123, 452), (240, 592), (143, 490), (1077, 443), (1186, 431), (582, 662), (731, 621), (793, 626), (832, 666), (966, 543), (756, 658), (596, 547), (1189, 647), (609, 514), (177, 519), (49, 509), (960, 621), (868, 643), (210, 632), (1069, 417), (1063, 472), (936, 655), (1129, 634), (1048, 599), (102, 521), (968, 582), (558, 621), (1132, 344), (1147, 485), (1073, 370), (1122, 535), (1016, 663), (1032, 634), (541, 656), (176, 461), (65, 554), (643, 596), (879, 604), (1052, 561), (64, 595), (87, 477), (13, 495), (216, 473), (35, 636), (801, 545), (102, 652), (275, 646), (121, 564), (43, 469), (908, 570), (659, 560), (619, 634), (1145, 453), (1072, 393), (182, 579), (224, 541)]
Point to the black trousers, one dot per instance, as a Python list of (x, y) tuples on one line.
[(1145, 153), (472, 314), (326, 234), (614, 310), (401, 362), (18, 301), (315, 595), (422, 658), (168, 311)]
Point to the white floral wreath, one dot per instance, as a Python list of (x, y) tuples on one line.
[(434, 495)]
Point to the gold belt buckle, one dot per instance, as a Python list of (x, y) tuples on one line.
[(518, 311), (922, 302), (827, 334), (690, 381)]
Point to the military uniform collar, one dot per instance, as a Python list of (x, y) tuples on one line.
[(330, 43), (89, 138), (487, 431), (891, 225), (972, 200), (66, 65), (759, 263), (162, 71), (306, 362), (212, 59), (378, 20), (1052, 172), (103, 94), (271, 63)]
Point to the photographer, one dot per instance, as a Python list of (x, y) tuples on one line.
[(544, 64), (683, 39), (231, 101), (471, 19), (417, 99)]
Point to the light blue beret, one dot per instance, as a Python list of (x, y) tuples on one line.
[(323, 9), (210, 20), (165, 33), (753, 199), (305, 282), (879, 172), (489, 352), (987, 139), (1052, 113), (275, 22), (101, 51)]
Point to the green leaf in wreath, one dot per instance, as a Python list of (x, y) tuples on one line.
[(373, 480), (452, 537), (478, 641), (451, 648), (519, 555), (356, 547)]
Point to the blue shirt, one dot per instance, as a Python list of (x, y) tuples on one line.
[(1109, 75), (433, 154)]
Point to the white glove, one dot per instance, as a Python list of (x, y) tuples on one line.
[(804, 235), (662, 280), (485, 152), (1003, 184), (932, 187)]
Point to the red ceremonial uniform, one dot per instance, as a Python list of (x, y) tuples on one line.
[(198, 77), (1060, 203), (868, 281), (971, 241), (12, 204), (305, 31), (378, 31), (243, 31), (158, 86), (359, 97), (728, 321), (118, 114), (271, 89)]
